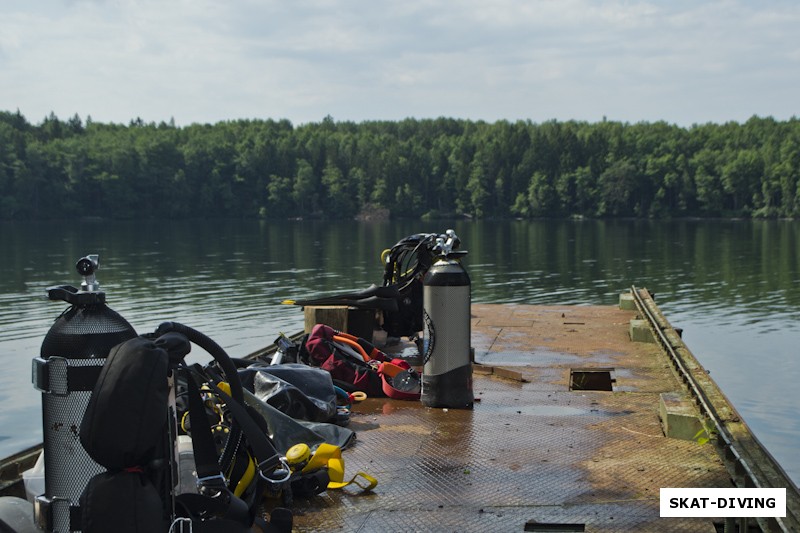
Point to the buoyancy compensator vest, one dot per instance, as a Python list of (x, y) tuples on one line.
[(130, 427), (405, 264)]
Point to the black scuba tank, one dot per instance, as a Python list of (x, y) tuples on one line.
[(71, 357), (89, 328)]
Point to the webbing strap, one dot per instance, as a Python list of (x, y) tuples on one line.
[(330, 457), (205, 452), (269, 463), (267, 456), (321, 458)]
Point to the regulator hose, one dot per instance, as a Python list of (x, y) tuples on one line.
[(231, 375), (215, 350), (407, 259)]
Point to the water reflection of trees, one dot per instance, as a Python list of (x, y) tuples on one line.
[(553, 261)]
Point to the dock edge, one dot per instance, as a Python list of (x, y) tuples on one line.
[(747, 461)]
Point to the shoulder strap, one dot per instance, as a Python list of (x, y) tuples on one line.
[(269, 460), (205, 452), (271, 467)]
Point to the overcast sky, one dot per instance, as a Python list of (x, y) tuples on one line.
[(682, 61)]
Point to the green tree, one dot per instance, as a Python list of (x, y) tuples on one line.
[(279, 198), (339, 202), (304, 192), (740, 176), (542, 195), (412, 167), (616, 188), (708, 182), (478, 188)]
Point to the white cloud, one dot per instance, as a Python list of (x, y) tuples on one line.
[(205, 61)]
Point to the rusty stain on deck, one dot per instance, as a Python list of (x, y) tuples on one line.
[(529, 451)]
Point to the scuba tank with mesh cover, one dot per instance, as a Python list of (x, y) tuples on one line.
[(447, 371), (72, 355)]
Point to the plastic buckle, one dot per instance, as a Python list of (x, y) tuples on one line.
[(218, 477), (184, 525), (48, 512), (40, 375), (211, 486)]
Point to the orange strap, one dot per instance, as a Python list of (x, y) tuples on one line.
[(346, 335), (374, 353), (353, 344)]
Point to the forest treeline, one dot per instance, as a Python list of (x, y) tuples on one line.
[(409, 168)]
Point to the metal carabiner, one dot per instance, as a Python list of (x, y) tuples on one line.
[(284, 465)]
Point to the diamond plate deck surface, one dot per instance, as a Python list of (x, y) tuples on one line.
[(528, 452)]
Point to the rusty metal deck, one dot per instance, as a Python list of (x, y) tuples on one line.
[(530, 452)]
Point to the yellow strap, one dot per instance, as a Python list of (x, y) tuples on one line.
[(330, 456), (370, 483)]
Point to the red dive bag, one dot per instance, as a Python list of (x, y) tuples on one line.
[(356, 365)]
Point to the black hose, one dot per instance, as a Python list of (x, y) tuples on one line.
[(405, 262), (215, 350), (231, 375)]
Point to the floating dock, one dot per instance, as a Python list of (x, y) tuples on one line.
[(548, 447), (582, 414)]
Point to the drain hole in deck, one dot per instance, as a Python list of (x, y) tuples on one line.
[(553, 528), (591, 379)]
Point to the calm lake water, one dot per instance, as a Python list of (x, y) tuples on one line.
[(734, 286)]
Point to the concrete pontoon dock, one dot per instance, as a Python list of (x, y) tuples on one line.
[(535, 454)]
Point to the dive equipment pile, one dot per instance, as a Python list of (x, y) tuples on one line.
[(355, 364), (399, 298), (137, 440), (432, 305), (119, 410)]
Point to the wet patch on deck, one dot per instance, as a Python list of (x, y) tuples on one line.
[(536, 357)]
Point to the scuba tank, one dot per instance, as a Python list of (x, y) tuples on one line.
[(71, 358), (447, 371), (111, 450)]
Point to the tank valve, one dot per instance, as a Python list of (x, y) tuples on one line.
[(86, 267), (89, 292)]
